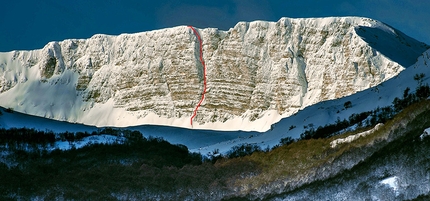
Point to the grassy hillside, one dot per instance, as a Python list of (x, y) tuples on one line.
[(287, 167), (405, 157)]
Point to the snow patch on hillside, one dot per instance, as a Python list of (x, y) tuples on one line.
[(393, 183), (95, 139), (425, 134), (351, 138)]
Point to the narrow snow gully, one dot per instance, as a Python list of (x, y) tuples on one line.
[(204, 75)]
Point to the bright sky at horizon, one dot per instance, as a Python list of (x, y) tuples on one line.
[(27, 24)]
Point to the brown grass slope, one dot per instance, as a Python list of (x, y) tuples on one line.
[(289, 167)]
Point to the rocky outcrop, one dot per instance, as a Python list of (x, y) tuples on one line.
[(253, 68)]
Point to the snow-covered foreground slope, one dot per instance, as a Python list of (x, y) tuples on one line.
[(205, 141), (257, 73)]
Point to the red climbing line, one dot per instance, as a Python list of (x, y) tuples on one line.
[(204, 75)]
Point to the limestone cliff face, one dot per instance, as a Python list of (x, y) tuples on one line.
[(252, 68)]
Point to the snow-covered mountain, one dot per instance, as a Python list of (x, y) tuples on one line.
[(257, 73), (204, 141)]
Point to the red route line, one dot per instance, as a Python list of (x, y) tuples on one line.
[(204, 75)]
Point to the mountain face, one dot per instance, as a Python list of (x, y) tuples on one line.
[(257, 72)]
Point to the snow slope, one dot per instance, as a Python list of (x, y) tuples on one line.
[(258, 73)]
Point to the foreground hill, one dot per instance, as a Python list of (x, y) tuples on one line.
[(390, 162), (257, 73)]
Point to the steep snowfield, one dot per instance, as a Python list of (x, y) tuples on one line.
[(258, 73), (205, 141)]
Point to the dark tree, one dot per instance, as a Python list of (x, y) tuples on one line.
[(347, 104), (286, 141), (419, 78)]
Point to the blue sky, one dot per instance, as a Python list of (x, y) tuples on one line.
[(29, 24)]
